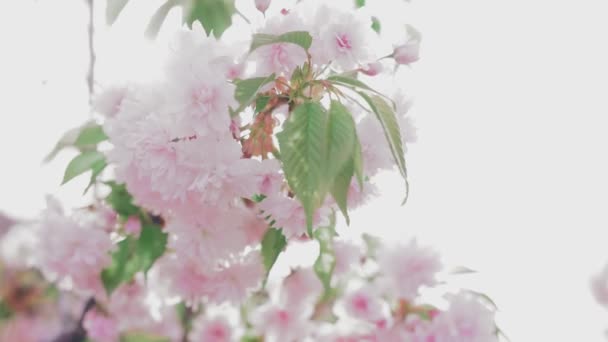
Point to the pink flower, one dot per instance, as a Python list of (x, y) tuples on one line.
[(348, 257), (372, 69), (376, 153), (282, 58), (211, 330), (363, 304), (109, 101), (599, 287), (28, 329), (288, 214), (406, 268), (71, 250), (407, 53), (100, 328), (262, 5), (133, 225), (281, 323), (465, 320), (234, 283), (188, 278), (301, 288), (342, 38)]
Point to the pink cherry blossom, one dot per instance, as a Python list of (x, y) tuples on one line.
[(407, 53), (235, 282), (28, 329), (407, 267), (465, 320), (300, 288), (280, 58), (363, 304), (108, 102), (376, 154), (342, 38), (100, 327), (372, 69), (288, 214), (211, 330), (71, 250), (262, 5), (281, 323), (348, 256)]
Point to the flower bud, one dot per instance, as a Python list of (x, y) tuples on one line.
[(407, 53), (372, 69), (262, 5)]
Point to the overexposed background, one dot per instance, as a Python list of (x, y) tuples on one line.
[(509, 176)]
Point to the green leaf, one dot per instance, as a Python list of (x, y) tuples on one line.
[(272, 245), (326, 261), (359, 3), (376, 26), (302, 144), (121, 201), (340, 187), (215, 15), (358, 162), (90, 136), (143, 337), (113, 9), (68, 139), (151, 245), (82, 163), (388, 120), (96, 170), (339, 165), (134, 255), (260, 103), (340, 138), (246, 90), (349, 81), (301, 38), (159, 17)]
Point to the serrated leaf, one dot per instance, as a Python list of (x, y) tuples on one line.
[(134, 255), (113, 9), (302, 144), (326, 261), (90, 136), (376, 26), (340, 187), (341, 135), (82, 163), (121, 201), (214, 15), (388, 120), (159, 17), (358, 162), (273, 243), (340, 138), (246, 90), (300, 38)]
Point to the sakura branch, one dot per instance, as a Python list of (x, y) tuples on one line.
[(213, 173)]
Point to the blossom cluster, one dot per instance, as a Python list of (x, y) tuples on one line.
[(227, 160)]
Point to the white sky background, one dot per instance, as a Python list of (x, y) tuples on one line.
[(510, 174)]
